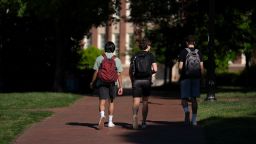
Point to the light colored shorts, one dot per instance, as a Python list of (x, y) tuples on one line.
[(190, 88)]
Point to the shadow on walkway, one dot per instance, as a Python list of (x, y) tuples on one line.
[(77, 124)]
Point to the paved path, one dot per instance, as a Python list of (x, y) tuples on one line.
[(77, 125)]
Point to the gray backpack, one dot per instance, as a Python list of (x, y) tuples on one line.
[(192, 63)]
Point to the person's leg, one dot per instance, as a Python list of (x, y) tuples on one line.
[(194, 111), (184, 103), (112, 93), (144, 111), (136, 92), (135, 109), (195, 94), (102, 103), (103, 91), (185, 94), (146, 89), (111, 113)]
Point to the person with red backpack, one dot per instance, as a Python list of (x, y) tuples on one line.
[(108, 81), (143, 65)]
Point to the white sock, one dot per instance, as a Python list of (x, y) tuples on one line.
[(186, 109), (102, 114), (110, 118), (194, 118)]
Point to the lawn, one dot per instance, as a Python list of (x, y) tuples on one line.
[(19, 110), (229, 120)]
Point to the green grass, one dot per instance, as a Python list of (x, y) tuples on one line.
[(229, 120), (19, 110)]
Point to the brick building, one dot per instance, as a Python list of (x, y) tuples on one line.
[(120, 32)]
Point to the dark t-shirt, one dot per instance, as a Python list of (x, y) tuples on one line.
[(182, 58), (152, 57)]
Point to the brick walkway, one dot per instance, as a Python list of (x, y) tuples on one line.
[(77, 125)]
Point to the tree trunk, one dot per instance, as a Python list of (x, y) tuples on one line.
[(253, 57), (57, 85)]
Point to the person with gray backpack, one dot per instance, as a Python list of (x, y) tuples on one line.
[(191, 69), (142, 67)]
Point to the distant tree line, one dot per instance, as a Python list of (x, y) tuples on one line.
[(39, 40)]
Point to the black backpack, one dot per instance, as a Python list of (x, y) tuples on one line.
[(141, 66), (192, 63)]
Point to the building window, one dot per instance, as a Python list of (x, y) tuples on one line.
[(128, 10), (130, 40), (102, 40), (128, 46), (116, 42), (89, 42)]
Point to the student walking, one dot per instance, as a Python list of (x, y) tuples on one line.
[(191, 69), (142, 66), (108, 81)]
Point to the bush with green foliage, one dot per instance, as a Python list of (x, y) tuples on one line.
[(222, 60), (134, 47), (88, 57)]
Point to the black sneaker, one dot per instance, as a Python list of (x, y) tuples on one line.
[(187, 118), (143, 125)]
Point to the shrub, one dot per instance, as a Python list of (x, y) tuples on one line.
[(88, 57)]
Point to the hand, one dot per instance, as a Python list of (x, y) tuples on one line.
[(91, 85), (120, 91)]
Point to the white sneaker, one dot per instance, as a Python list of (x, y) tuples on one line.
[(111, 124), (101, 123), (135, 122)]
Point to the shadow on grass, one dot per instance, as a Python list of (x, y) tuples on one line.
[(230, 130)]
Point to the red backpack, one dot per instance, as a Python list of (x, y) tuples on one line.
[(108, 70)]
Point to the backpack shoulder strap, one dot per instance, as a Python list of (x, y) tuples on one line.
[(104, 55), (113, 57), (188, 50)]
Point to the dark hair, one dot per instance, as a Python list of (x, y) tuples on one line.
[(190, 39), (110, 47), (144, 43)]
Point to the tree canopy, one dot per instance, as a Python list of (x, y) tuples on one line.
[(51, 28)]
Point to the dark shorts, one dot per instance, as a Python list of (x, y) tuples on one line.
[(190, 88), (107, 91), (141, 88)]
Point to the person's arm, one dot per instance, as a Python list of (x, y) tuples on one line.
[(131, 69), (202, 67), (154, 68), (131, 73), (201, 63), (154, 64), (93, 78), (181, 60), (180, 66), (120, 87), (119, 79)]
